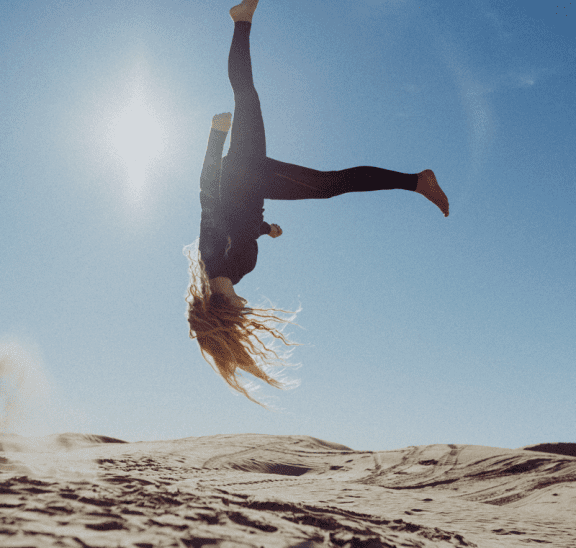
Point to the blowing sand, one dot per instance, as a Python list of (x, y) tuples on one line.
[(254, 490)]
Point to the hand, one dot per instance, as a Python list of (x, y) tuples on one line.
[(275, 231), (222, 122)]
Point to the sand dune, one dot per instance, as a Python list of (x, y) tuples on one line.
[(256, 490), (568, 449)]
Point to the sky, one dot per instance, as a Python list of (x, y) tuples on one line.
[(416, 329)]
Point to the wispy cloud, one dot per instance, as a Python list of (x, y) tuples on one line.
[(497, 25), (525, 80), (473, 92), (521, 78)]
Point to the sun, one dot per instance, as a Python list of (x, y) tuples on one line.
[(138, 139)]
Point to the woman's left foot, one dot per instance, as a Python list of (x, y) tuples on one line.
[(244, 11), (429, 188)]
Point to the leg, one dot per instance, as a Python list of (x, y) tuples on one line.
[(247, 139), (283, 181)]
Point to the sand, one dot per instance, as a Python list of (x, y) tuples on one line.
[(254, 490)]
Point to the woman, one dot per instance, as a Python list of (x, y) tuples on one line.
[(232, 193)]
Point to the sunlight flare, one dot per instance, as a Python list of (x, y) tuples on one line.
[(138, 139)]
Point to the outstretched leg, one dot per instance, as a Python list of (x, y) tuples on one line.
[(284, 181), (247, 139)]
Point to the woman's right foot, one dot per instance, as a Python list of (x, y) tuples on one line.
[(428, 186), (244, 11)]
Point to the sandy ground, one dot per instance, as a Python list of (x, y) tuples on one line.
[(256, 490)]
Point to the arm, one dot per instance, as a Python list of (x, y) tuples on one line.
[(265, 228)]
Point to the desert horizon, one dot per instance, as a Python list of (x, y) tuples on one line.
[(258, 490)]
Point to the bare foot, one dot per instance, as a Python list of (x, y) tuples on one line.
[(244, 11), (429, 188)]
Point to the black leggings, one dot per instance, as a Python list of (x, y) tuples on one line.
[(276, 180)]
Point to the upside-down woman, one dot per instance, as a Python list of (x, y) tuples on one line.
[(232, 194)]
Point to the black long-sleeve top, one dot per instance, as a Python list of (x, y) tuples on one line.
[(229, 209)]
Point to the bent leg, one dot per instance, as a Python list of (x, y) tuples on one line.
[(247, 139), (283, 181)]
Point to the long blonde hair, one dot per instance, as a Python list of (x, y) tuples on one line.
[(230, 337)]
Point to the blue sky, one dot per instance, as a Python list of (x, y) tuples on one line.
[(416, 329)]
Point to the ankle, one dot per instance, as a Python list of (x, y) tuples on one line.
[(422, 180)]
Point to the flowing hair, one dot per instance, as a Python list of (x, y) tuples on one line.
[(230, 337)]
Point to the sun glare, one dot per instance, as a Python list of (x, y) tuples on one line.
[(138, 139)]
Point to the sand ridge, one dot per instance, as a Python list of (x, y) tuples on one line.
[(280, 491)]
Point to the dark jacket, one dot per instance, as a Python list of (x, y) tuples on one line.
[(231, 207)]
